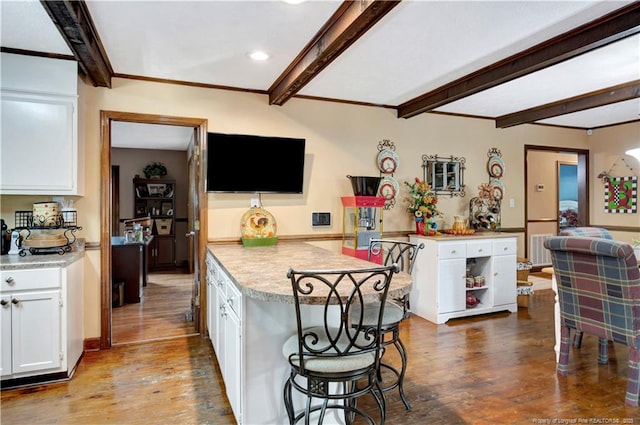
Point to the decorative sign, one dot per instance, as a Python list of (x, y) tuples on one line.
[(621, 195)]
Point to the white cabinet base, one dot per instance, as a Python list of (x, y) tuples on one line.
[(439, 289)]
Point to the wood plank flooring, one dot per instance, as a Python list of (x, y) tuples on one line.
[(493, 369), (161, 313)]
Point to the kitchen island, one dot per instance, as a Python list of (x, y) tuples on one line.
[(129, 264), (251, 314), (460, 276)]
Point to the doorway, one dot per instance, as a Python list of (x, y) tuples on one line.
[(196, 222), (558, 173)]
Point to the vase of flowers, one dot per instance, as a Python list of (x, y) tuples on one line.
[(422, 204)]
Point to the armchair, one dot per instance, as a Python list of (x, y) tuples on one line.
[(599, 293)]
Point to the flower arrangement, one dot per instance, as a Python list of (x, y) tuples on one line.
[(422, 201), (155, 169)]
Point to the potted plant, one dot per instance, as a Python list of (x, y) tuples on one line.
[(155, 170)]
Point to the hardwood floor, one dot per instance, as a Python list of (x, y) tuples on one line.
[(160, 314), (493, 369)]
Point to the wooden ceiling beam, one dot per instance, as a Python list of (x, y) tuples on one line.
[(346, 25), (615, 26), (603, 97), (73, 20)]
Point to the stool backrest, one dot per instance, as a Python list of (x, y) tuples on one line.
[(399, 252), (326, 328)]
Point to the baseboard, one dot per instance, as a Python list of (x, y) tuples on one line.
[(92, 344)]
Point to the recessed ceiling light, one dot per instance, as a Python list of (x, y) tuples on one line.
[(294, 1), (259, 55)]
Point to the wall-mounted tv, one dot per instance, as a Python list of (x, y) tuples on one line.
[(254, 164)]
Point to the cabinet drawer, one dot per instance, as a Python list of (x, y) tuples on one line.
[(478, 249), (452, 250), (19, 280), (234, 298), (504, 247)]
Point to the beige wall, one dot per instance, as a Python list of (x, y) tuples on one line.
[(341, 139), (543, 169), (607, 147)]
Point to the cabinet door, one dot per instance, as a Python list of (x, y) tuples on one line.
[(163, 253), (451, 285), (39, 146), (503, 277), (233, 362), (36, 331), (5, 336)]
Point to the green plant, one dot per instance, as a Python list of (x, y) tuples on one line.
[(155, 169)]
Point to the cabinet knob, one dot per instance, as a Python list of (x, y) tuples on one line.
[(4, 302), (10, 280), (15, 301), (453, 251), (230, 300), (480, 250)]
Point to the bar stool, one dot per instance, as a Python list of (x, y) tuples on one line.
[(330, 359), (396, 310)]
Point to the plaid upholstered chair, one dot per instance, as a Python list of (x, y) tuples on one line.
[(587, 232), (599, 294)]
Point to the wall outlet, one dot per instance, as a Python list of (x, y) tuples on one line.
[(255, 202), (321, 219)]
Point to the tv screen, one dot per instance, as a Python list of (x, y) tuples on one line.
[(254, 164)]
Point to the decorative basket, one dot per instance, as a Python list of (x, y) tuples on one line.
[(163, 226)]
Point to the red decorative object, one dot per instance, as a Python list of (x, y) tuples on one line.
[(420, 227)]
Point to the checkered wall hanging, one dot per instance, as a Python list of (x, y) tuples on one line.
[(621, 195)]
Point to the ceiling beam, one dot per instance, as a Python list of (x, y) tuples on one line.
[(615, 26), (346, 25), (591, 100), (73, 20)]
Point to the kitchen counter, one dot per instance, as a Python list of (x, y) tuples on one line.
[(261, 272), (477, 235), (121, 241), (251, 314), (29, 261)]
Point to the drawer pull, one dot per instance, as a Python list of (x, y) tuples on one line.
[(505, 248), (4, 302), (15, 301), (453, 251), (10, 280)]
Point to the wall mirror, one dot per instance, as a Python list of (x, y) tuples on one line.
[(445, 174)]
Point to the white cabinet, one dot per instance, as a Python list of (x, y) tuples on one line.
[(39, 140), (41, 321), (440, 286), (225, 330)]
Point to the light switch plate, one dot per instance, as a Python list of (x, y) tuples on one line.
[(321, 219)]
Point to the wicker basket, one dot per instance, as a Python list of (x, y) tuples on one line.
[(163, 226), (526, 289)]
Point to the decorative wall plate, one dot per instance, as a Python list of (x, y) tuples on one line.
[(388, 188), (497, 188), (495, 166), (387, 161)]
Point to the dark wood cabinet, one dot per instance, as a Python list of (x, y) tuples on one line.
[(162, 253), (155, 198)]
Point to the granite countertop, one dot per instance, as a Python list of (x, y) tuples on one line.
[(121, 241), (16, 262), (261, 272), (477, 235)]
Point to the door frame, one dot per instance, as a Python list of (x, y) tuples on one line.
[(106, 118), (583, 184)]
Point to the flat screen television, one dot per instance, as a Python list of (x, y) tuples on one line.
[(240, 163)]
